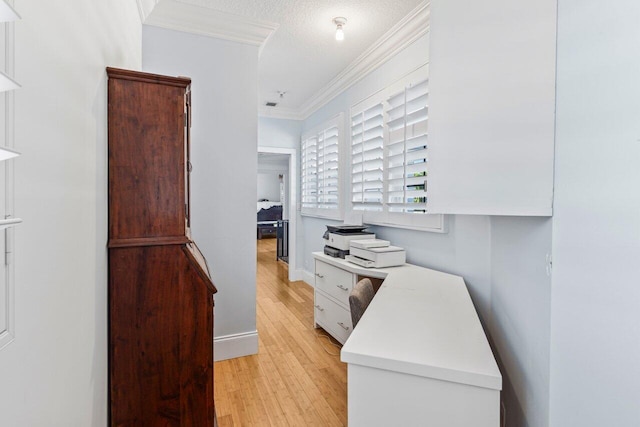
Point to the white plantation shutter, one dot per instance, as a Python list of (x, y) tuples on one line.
[(389, 156), (407, 149), (320, 164), (328, 168), (367, 159), (309, 168)]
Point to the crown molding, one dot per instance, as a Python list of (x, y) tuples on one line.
[(145, 7), (408, 30), (189, 18), (279, 113)]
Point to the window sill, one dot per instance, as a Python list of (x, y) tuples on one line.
[(336, 217)]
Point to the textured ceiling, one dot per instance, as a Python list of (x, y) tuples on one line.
[(302, 56)]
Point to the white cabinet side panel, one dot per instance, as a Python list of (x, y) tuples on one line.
[(492, 107), (379, 397)]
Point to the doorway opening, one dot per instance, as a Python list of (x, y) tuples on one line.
[(276, 196)]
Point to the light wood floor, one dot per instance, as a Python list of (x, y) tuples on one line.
[(293, 380)]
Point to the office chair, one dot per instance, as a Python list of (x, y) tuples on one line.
[(359, 299)]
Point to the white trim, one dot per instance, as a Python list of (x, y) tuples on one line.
[(308, 278), (235, 345), (442, 227), (492, 207), (401, 35), (293, 201), (145, 8), (295, 275), (141, 11), (319, 214), (279, 113), (180, 16)]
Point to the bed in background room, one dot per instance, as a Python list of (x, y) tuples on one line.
[(269, 213)]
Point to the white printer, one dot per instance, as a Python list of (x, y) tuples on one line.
[(375, 253), (338, 237)]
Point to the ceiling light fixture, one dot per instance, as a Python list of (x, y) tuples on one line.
[(340, 22)]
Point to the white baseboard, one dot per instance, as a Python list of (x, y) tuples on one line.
[(236, 345), (296, 275), (308, 277)]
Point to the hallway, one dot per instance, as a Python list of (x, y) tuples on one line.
[(297, 378)]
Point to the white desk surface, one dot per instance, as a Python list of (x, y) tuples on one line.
[(421, 322)]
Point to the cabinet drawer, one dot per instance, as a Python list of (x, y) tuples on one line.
[(334, 281), (333, 318)]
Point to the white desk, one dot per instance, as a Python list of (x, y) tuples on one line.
[(419, 355)]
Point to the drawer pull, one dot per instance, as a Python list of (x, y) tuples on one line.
[(342, 325), (318, 307), (342, 287), (320, 275)]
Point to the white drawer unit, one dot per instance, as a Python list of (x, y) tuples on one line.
[(335, 282), (332, 288), (333, 318)]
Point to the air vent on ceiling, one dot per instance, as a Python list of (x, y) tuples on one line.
[(271, 104)]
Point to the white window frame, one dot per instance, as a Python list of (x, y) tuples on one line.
[(337, 213), (414, 221)]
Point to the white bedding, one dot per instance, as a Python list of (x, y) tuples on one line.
[(267, 205)]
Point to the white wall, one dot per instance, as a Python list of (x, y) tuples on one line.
[(223, 183), (269, 171), (521, 315), (268, 186), (55, 372), (595, 347), (502, 260), (279, 132)]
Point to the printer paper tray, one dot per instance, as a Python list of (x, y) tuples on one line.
[(360, 261)]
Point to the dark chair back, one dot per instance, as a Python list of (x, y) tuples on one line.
[(359, 299)]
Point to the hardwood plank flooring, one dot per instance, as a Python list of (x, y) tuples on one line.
[(296, 379)]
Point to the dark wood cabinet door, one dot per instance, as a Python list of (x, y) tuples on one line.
[(161, 339), (147, 156)]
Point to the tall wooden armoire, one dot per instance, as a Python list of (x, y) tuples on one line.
[(160, 289)]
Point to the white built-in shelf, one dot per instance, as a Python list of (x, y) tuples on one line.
[(6, 82), (7, 13), (7, 153), (7, 286), (9, 222)]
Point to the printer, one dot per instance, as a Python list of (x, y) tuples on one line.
[(375, 253), (338, 237)]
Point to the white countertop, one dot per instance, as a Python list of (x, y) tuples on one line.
[(421, 322)]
